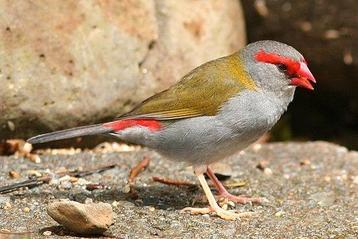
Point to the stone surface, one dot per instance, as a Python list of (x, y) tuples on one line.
[(312, 193), (91, 218), (68, 63)]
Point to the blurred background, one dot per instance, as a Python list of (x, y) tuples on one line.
[(69, 63)]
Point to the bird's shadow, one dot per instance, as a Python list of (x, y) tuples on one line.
[(62, 231), (157, 196)]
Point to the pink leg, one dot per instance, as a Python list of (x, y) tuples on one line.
[(223, 193)]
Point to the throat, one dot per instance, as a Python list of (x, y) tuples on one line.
[(284, 97), (258, 110)]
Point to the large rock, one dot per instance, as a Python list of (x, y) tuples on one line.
[(67, 63)]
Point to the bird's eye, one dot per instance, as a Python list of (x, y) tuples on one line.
[(282, 67)]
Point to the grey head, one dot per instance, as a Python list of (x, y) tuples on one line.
[(276, 67)]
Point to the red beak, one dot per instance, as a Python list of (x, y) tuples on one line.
[(303, 77)]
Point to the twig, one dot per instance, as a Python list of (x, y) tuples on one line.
[(27, 183), (9, 234), (80, 174), (45, 179), (136, 170), (173, 182)]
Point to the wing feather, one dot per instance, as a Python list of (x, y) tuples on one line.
[(200, 93)]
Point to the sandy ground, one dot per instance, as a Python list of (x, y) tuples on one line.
[(312, 190)]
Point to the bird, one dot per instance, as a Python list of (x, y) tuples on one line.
[(214, 111)]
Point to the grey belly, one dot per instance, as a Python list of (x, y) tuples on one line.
[(202, 140)]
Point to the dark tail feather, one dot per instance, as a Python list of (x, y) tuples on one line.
[(69, 133)]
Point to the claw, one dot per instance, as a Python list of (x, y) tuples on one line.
[(224, 214), (195, 211), (242, 199)]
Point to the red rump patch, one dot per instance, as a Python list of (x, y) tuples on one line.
[(118, 125), (272, 58)]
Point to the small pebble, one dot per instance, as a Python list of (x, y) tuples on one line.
[(126, 188), (54, 181), (207, 216), (66, 185), (26, 209), (27, 148), (73, 179), (305, 162), (7, 206), (279, 214), (88, 200), (262, 164), (152, 209), (14, 174), (65, 178), (257, 147), (61, 170), (34, 173), (268, 171), (33, 157), (231, 204), (82, 181), (47, 233)]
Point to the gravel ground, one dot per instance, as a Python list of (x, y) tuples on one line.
[(312, 190)]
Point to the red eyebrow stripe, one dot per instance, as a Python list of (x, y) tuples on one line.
[(118, 125), (272, 58)]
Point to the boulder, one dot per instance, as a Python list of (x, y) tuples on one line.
[(69, 63)]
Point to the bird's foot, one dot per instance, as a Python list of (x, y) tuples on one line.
[(241, 199), (222, 213), (224, 194)]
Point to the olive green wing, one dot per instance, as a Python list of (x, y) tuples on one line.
[(200, 93)]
